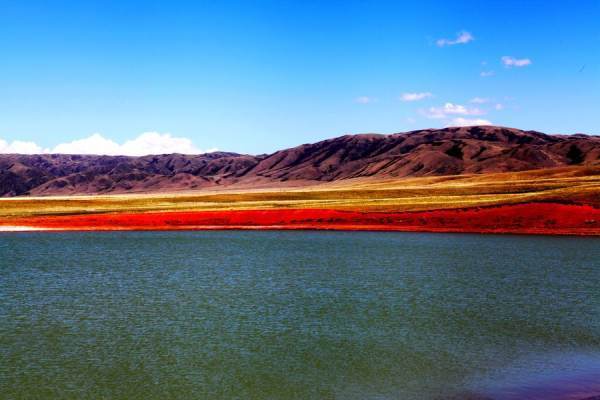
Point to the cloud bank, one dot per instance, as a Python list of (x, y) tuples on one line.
[(18, 146), (144, 144)]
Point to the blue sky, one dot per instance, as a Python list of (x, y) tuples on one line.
[(257, 76)]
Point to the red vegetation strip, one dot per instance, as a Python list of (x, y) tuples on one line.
[(546, 218)]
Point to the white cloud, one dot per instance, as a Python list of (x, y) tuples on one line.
[(485, 74), (157, 143), (450, 109), (468, 122), (479, 100), (144, 144), (415, 96), (499, 107), (509, 61), (364, 100), (94, 144), (20, 147), (462, 37)]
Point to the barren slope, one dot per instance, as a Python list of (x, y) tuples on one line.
[(431, 152)]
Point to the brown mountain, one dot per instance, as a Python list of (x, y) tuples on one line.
[(448, 151)]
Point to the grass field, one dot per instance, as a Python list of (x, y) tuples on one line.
[(580, 185), (566, 186)]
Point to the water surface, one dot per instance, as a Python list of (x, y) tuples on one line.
[(298, 315)]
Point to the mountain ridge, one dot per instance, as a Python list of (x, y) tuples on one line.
[(447, 151)]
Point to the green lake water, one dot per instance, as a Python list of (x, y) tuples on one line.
[(297, 315)]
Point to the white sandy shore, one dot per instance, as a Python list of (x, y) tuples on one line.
[(22, 228)]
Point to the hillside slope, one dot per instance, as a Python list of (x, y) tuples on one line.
[(430, 152)]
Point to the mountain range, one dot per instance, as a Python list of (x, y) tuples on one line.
[(428, 152)]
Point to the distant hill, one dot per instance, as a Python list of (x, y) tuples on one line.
[(448, 151)]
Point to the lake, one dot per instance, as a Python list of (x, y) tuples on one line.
[(298, 315)]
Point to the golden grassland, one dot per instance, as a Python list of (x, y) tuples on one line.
[(570, 184)]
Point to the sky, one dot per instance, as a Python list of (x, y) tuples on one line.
[(139, 77)]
